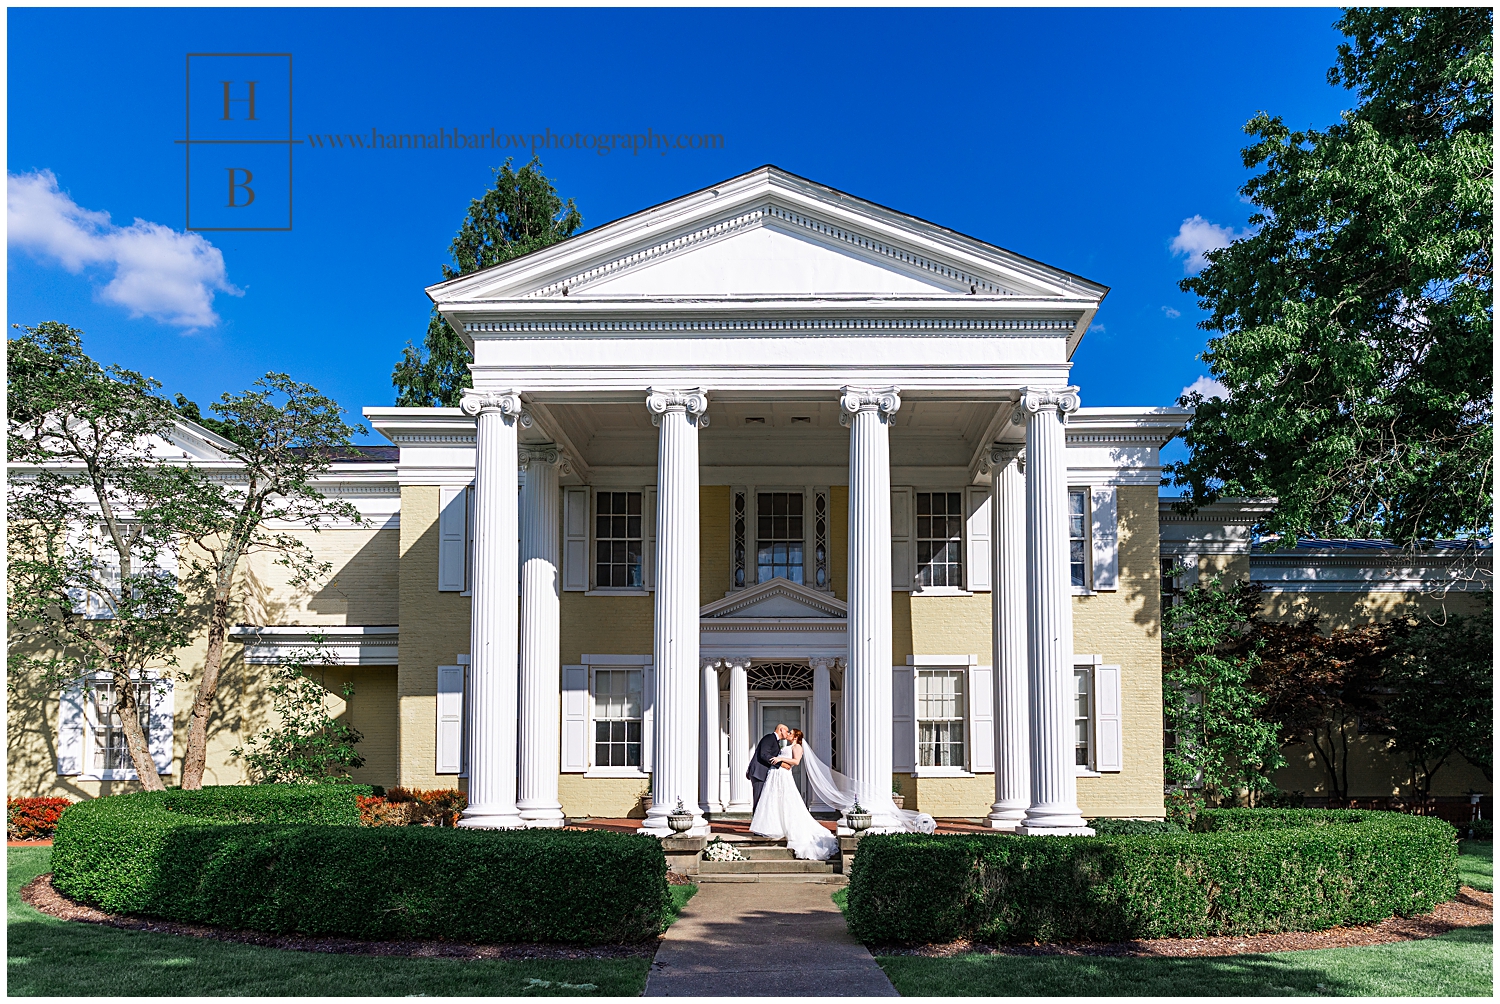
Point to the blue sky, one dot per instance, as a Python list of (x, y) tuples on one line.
[(1085, 139)]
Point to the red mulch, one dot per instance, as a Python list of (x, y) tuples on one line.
[(30, 843), (39, 894), (1471, 908)]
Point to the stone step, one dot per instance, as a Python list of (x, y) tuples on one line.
[(772, 866), (766, 853), (816, 878)]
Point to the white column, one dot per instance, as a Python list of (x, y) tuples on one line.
[(1008, 621), (868, 413), (540, 664), (1049, 615), (817, 725), (708, 751), (739, 736), (491, 704), (674, 775)]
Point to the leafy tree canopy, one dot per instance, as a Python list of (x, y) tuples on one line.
[(1353, 326), (520, 214)]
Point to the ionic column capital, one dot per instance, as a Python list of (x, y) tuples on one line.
[(1035, 400), (544, 453), (824, 661), (506, 403), (693, 401), (1001, 454), (886, 401)]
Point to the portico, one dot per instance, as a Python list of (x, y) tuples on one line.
[(886, 406)]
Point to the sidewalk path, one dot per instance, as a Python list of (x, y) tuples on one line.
[(764, 939)]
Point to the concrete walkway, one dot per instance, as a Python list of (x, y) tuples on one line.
[(764, 939)]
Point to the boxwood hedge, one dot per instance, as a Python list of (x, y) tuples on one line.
[(293, 860), (1242, 871)]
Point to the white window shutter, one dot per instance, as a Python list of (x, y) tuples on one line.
[(70, 730), (648, 715), (977, 545), (981, 720), (903, 720), (575, 540), (903, 551), (160, 733), (453, 527), (1109, 740), (575, 719), (450, 719), (1106, 539), (648, 537)]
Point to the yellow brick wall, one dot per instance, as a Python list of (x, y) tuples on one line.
[(713, 543), (434, 631), (1343, 610), (358, 590), (603, 797), (838, 539)]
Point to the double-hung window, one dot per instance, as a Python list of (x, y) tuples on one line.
[(1083, 718), (1078, 536), (940, 539), (940, 718), (618, 542), (617, 718), (779, 537), (107, 749)]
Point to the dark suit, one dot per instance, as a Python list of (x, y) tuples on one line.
[(760, 767)]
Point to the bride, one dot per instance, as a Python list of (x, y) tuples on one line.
[(782, 813)]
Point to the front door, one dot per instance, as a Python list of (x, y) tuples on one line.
[(788, 713)]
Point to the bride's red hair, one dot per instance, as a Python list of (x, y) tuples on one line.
[(796, 735)]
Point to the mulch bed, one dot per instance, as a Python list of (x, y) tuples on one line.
[(39, 894), (1471, 908), (47, 842)]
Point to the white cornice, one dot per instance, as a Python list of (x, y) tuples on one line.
[(826, 604), (334, 645)]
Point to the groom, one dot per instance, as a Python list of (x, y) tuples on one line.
[(760, 767)]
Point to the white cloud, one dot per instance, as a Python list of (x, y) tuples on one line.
[(158, 272), (1208, 387), (1172, 315), (1197, 235), (1096, 328)]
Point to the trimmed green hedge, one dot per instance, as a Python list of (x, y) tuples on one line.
[(1248, 870), (288, 860)]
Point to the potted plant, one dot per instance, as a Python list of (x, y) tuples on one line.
[(896, 796), (858, 818), (679, 819)]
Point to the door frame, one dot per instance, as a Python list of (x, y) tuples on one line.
[(773, 698)]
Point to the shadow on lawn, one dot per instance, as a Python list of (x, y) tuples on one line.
[(1401, 968)]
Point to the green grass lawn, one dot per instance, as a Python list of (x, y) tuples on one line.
[(61, 959), (1476, 864), (1457, 964), (680, 895)]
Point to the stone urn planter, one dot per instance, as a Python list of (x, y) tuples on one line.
[(900, 801), (680, 820), (859, 820)]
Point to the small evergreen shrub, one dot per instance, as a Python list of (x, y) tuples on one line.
[(33, 818), (1243, 871), (1133, 827), (293, 859)]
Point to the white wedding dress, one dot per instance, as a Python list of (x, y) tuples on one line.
[(782, 813)]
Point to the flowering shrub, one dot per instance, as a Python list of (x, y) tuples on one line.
[(33, 818), (409, 807)]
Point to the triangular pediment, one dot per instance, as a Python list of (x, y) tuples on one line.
[(780, 599), (767, 233)]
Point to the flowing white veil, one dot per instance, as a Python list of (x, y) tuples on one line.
[(843, 792)]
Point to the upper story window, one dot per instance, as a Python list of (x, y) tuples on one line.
[(940, 718), (940, 539), (107, 749), (1170, 591), (617, 540), (779, 538), (1078, 508)]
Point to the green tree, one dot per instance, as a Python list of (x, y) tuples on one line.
[(286, 436), (1353, 326), (94, 528), (1441, 678), (1220, 740), (520, 214), (307, 745)]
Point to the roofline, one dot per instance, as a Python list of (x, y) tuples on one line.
[(1102, 289)]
